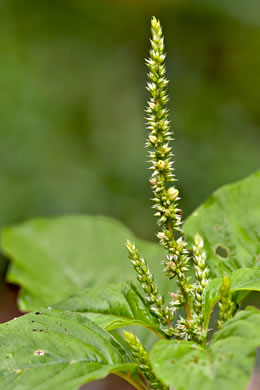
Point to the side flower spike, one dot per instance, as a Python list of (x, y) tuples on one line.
[(152, 295), (226, 306), (142, 357), (201, 274)]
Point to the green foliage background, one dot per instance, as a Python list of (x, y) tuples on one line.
[(72, 97), (72, 78)]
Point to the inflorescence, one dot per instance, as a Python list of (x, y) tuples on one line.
[(142, 357), (226, 307), (166, 195), (201, 274), (169, 219)]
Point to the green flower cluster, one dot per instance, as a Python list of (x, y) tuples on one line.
[(169, 215), (201, 274), (226, 307), (142, 357), (171, 237), (146, 279), (152, 295), (166, 196)]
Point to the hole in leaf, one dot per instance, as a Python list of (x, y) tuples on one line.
[(222, 252)]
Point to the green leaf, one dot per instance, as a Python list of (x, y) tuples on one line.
[(52, 258), (227, 363), (229, 222), (113, 307), (245, 324), (54, 349), (245, 279)]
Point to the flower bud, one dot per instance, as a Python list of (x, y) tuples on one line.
[(152, 139), (172, 265), (225, 286), (161, 235), (153, 181), (173, 193), (161, 165)]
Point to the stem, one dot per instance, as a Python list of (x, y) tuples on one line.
[(131, 380), (186, 306)]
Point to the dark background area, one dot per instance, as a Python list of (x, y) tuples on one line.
[(72, 100)]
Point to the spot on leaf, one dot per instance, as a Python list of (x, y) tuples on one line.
[(222, 251), (39, 352)]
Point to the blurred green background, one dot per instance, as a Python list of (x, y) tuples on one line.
[(72, 97)]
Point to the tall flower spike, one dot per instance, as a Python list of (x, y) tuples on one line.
[(201, 274), (142, 357), (166, 196), (226, 306), (152, 295)]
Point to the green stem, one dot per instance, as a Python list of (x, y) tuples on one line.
[(131, 380)]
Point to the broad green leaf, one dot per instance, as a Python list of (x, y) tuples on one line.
[(227, 363), (245, 324), (229, 222), (54, 349), (181, 364), (52, 258), (245, 279), (112, 307)]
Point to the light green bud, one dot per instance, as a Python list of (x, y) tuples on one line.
[(173, 193), (161, 165)]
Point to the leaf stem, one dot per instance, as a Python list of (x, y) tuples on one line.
[(130, 380)]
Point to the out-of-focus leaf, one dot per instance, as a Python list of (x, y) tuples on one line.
[(53, 258)]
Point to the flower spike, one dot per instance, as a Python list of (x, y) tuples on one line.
[(152, 295), (142, 357), (166, 195), (201, 274), (226, 306)]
